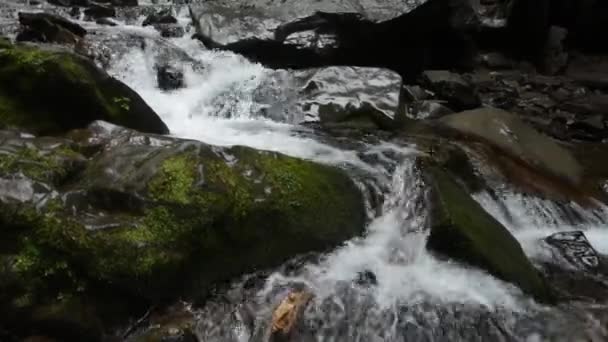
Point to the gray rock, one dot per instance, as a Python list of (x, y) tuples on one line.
[(573, 249), (337, 94), (169, 77), (507, 132), (96, 11), (453, 88)]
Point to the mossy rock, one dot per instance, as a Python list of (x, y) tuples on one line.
[(153, 217), (463, 230), (53, 91)]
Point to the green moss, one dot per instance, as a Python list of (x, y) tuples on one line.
[(35, 164), (123, 103), (462, 229), (175, 180), (55, 77)]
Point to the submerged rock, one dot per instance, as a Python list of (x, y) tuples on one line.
[(136, 212), (169, 77), (162, 17), (52, 91), (463, 230)]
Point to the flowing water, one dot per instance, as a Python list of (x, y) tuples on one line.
[(383, 286)]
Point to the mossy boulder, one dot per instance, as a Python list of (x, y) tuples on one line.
[(149, 218), (52, 91), (463, 230)]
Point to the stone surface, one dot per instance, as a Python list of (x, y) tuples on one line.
[(507, 132), (145, 210), (49, 28), (452, 88), (340, 94), (462, 230), (53, 78)]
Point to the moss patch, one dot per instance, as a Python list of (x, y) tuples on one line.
[(49, 92), (462, 229)]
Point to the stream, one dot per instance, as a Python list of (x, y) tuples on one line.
[(385, 285)]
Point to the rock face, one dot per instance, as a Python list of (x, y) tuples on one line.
[(508, 133), (145, 210), (462, 230), (367, 96), (49, 28), (53, 78), (453, 88), (347, 38), (575, 250)]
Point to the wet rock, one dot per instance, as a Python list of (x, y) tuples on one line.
[(169, 77), (366, 278), (574, 249), (49, 28), (55, 77), (339, 95), (453, 88), (463, 230), (287, 314), (69, 3), (170, 30), (496, 60), (173, 324), (162, 17), (344, 38), (106, 22), (150, 208), (590, 129), (507, 132), (97, 11), (592, 104)]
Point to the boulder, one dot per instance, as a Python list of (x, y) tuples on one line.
[(339, 95), (69, 3), (463, 230), (170, 30), (453, 88), (169, 77), (49, 28), (136, 212), (52, 91), (287, 314), (510, 135), (162, 17), (573, 249), (588, 105), (97, 11), (330, 35)]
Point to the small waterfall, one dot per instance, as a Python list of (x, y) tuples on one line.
[(384, 286)]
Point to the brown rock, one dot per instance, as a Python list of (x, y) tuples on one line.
[(286, 315)]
